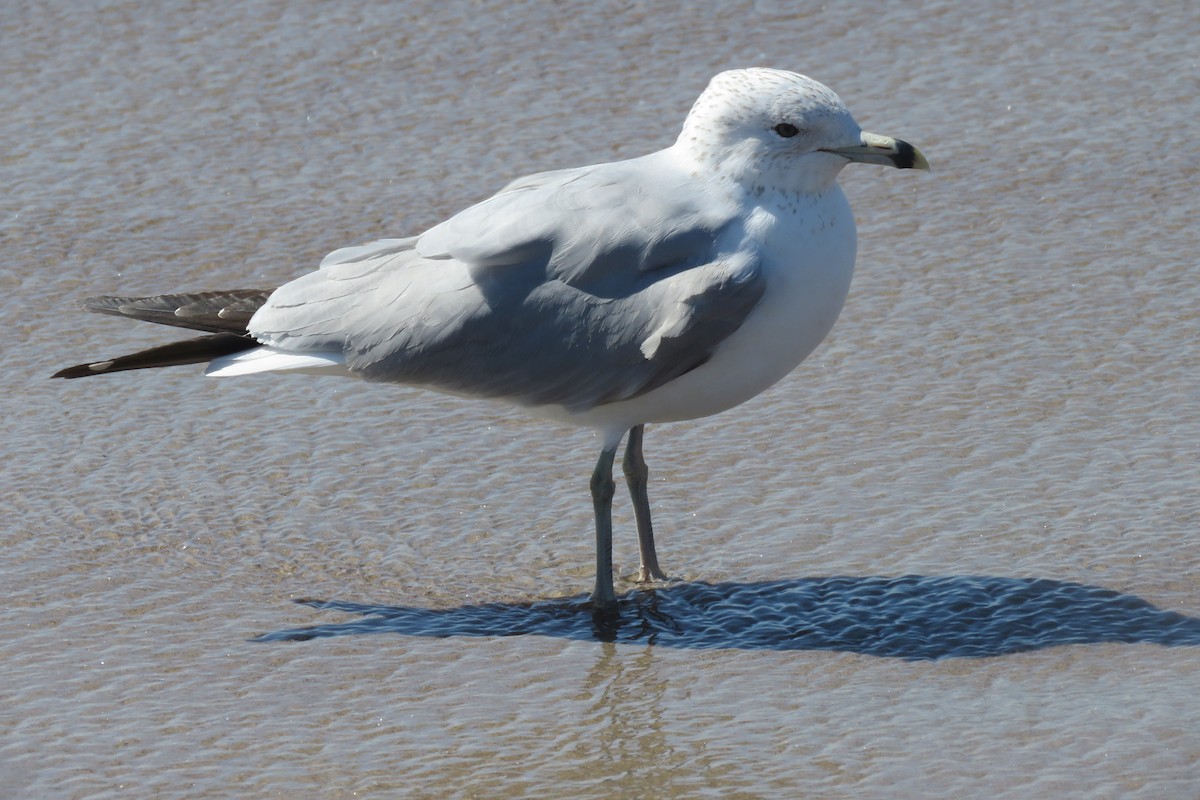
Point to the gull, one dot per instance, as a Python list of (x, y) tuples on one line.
[(667, 287)]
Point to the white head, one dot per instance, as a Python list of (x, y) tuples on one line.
[(778, 129)]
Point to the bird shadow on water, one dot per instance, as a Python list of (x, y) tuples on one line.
[(912, 617)]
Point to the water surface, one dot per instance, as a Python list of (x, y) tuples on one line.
[(953, 555)]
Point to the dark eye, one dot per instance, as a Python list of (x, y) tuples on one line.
[(786, 129)]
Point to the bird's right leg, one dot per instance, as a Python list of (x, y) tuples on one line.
[(603, 596)]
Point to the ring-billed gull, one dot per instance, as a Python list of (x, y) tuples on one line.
[(666, 287)]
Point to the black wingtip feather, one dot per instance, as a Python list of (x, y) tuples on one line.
[(189, 351)]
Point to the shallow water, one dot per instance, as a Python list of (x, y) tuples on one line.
[(953, 555)]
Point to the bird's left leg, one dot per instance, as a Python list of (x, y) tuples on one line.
[(636, 476)]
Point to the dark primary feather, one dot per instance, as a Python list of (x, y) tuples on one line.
[(224, 315), (215, 312), (189, 351)]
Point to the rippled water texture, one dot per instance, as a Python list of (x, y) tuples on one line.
[(954, 555)]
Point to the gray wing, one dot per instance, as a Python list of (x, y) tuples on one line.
[(600, 226), (575, 288)]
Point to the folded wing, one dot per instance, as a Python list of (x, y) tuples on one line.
[(521, 297)]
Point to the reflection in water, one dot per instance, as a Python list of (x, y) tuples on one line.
[(624, 702), (911, 617)]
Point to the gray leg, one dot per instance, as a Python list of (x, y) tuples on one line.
[(636, 475), (603, 596)]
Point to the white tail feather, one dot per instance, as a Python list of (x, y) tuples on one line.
[(272, 359)]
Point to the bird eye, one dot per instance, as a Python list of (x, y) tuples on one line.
[(786, 129)]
